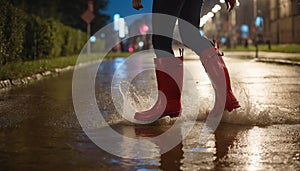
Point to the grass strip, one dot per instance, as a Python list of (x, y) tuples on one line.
[(289, 48), (23, 69)]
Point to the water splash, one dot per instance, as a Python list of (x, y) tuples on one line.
[(254, 113), (135, 99), (251, 113)]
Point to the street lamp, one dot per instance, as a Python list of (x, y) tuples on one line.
[(255, 15)]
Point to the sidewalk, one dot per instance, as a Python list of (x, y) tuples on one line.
[(272, 57)]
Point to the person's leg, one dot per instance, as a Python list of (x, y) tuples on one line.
[(189, 26), (168, 69), (164, 25), (209, 56), (190, 12)]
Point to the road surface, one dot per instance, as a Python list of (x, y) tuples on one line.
[(40, 131)]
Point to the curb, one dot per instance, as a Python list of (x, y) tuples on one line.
[(267, 59), (277, 61), (4, 84)]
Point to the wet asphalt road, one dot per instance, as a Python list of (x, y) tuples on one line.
[(39, 129)]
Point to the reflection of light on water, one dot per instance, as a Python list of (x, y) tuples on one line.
[(254, 141), (121, 72), (138, 149), (258, 89), (256, 85)]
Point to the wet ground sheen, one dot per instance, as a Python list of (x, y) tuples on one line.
[(39, 129)]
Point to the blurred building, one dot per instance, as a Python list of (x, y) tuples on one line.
[(280, 21), (281, 18), (284, 21)]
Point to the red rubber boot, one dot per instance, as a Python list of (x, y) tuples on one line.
[(209, 65), (169, 75), (231, 101)]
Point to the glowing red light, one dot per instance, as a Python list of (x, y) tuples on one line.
[(144, 29), (130, 49)]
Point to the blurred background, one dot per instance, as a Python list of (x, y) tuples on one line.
[(41, 40), (25, 22)]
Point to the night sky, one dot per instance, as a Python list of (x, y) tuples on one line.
[(124, 8)]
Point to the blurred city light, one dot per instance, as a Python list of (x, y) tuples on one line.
[(216, 8), (203, 20), (245, 31), (93, 39), (223, 40), (210, 15), (141, 44), (259, 21), (102, 35), (122, 28), (144, 29), (201, 32), (238, 3), (245, 28), (130, 49), (116, 23)]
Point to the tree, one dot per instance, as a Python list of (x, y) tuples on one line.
[(68, 12)]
